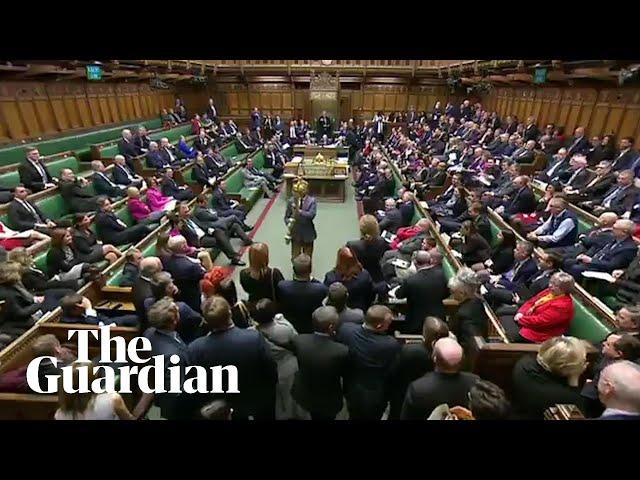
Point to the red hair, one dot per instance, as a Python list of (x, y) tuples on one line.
[(347, 264)]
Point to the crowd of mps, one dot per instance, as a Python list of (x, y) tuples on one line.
[(305, 348)]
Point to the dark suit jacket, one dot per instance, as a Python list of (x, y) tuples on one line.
[(369, 254), (303, 229), (624, 161), (472, 321), (170, 187), (531, 132), (21, 218), (155, 160), (582, 146), (371, 356), (120, 177), (248, 351), (522, 201), (600, 188), (522, 276), (77, 197), (298, 300), (170, 404), (56, 261), (435, 388), (128, 150), (141, 143), (322, 364), (107, 226), (535, 389), (141, 291), (413, 361), (360, 288), (424, 292), (187, 275), (219, 200), (613, 255), (18, 308), (31, 178), (580, 180), (103, 187), (201, 174), (391, 221), (623, 201)]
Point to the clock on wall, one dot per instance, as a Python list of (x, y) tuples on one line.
[(326, 62)]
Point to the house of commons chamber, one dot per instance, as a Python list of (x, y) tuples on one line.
[(381, 240)]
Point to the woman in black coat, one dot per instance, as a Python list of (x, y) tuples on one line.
[(87, 245), (37, 282), (501, 259), (260, 280), (550, 378), (350, 273), (63, 259), (21, 309), (471, 317), (474, 248), (370, 248)]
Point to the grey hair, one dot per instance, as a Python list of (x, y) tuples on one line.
[(466, 281), (160, 314), (564, 281)]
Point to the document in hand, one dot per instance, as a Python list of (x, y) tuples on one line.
[(599, 275), (388, 236)]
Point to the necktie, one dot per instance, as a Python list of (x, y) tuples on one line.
[(33, 212), (41, 171)]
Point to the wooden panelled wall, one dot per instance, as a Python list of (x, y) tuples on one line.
[(286, 100), (39, 109), (600, 112)]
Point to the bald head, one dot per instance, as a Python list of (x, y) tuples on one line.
[(619, 386), (607, 219), (423, 259), (325, 319), (150, 266), (447, 355)]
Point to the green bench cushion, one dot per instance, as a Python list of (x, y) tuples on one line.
[(16, 154), (586, 324)]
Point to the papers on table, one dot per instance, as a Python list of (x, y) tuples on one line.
[(296, 159), (540, 184), (599, 275)]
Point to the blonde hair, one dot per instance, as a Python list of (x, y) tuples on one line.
[(369, 227), (22, 256), (10, 273), (133, 192), (563, 356)]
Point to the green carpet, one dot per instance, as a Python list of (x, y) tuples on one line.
[(336, 224)]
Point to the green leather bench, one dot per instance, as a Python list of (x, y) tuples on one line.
[(586, 323), (12, 178), (77, 143)]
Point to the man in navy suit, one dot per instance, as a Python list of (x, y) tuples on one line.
[(579, 143), (112, 230), (247, 351), (164, 318), (207, 237), (627, 158), (102, 182), (185, 271), (299, 297), (154, 159), (223, 205), (169, 153), (619, 391), (523, 200), (616, 254), (127, 147), (34, 173), (371, 355), (170, 187), (256, 119), (620, 198), (122, 175), (524, 267)]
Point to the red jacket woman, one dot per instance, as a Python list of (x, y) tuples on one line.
[(549, 313)]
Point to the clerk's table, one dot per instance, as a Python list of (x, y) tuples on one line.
[(324, 168)]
